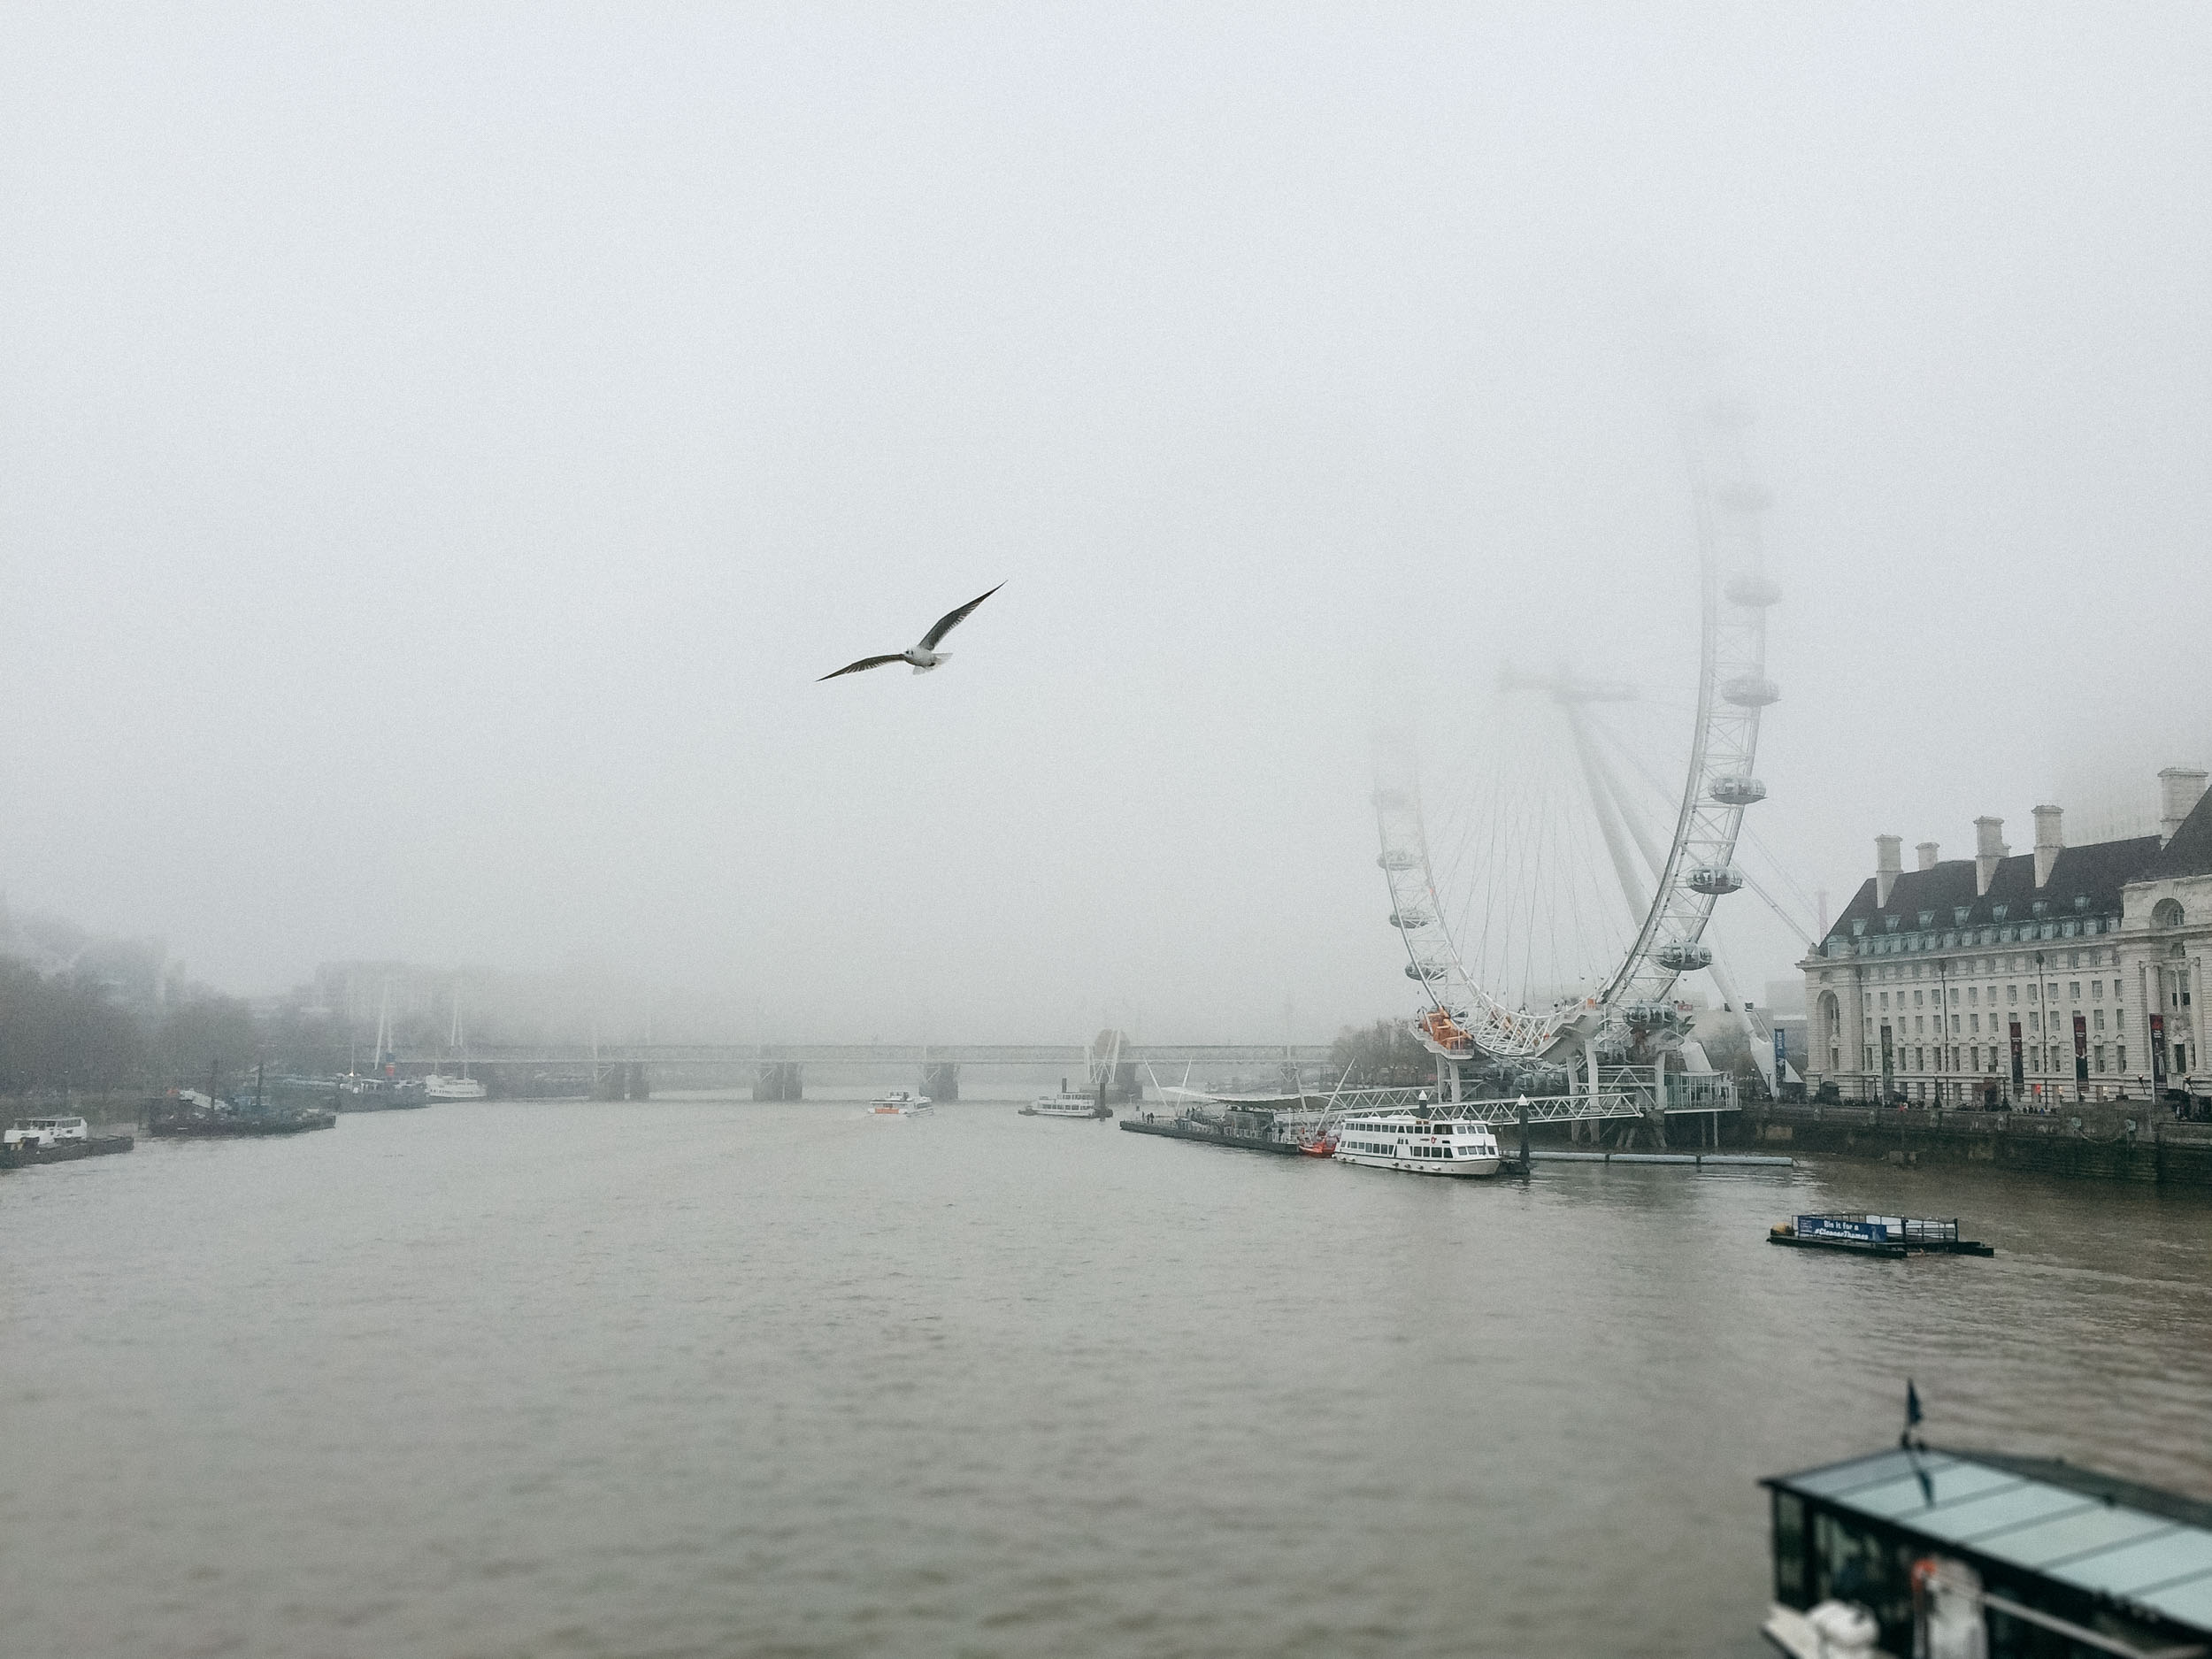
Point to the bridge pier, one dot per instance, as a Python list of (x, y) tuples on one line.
[(779, 1080), (621, 1080), (1120, 1078), (940, 1081)]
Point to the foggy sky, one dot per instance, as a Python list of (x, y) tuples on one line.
[(442, 446)]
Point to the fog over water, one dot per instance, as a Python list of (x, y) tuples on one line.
[(442, 447)]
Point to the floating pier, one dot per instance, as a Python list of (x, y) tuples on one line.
[(1699, 1160)]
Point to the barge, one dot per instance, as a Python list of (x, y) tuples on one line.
[(1877, 1236), (1956, 1555), (1252, 1132), (189, 1115)]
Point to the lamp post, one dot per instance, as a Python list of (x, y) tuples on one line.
[(1943, 1016)]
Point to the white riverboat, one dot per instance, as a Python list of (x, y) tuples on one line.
[(44, 1132), (441, 1087), (898, 1103), (1066, 1104), (1417, 1145)]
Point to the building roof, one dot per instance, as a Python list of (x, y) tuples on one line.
[(2190, 852), (2095, 1533), (2085, 881)]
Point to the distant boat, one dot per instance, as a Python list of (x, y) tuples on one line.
[(898, 1103), (383, 1090), (1067, 1103), (438, 1085)]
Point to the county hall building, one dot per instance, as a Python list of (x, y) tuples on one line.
[(2030, 980)]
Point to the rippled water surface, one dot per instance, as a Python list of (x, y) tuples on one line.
[(718, 1379)]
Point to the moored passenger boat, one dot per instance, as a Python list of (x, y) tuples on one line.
[(45, 1131), (1068, 1104), (55, 1140), (1982, 1556), (1417, 1144)]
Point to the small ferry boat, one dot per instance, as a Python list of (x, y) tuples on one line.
[(898, 1103), (438, 1088), (1323, 1145), (55, 1140), (1419, 1144), (44, 1132), (1877, 1236), (1982, 1556), (1067, 1104)]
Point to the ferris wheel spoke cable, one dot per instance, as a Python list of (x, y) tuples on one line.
[(1793, 923)]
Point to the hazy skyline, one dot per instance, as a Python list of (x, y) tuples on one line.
[(444, 447)]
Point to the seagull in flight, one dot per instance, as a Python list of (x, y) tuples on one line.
[(926, 655)]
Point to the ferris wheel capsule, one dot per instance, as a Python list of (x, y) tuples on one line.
[(1398, 858), (1404, 919), (1713, 880), (1427, 972), (1737, 790), (1685, 956), (1750, 691), (1756, 588)]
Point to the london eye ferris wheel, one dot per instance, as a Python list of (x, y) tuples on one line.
[(1556, 857)]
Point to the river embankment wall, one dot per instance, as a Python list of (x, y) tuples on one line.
[(2115, 1142)]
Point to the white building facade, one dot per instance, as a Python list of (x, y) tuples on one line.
[(2028, 981)]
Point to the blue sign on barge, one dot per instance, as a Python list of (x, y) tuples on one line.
[(1877, 1236), (1942, 1554)]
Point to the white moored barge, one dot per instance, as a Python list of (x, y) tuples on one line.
[(1418, 1145)]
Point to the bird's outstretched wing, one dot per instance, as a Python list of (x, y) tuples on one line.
[(952, 619), (865, 662)]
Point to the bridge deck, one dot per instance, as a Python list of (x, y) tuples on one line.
[(1219, 1055)]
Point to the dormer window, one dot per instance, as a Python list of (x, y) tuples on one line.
[(2041, 907), (2081, 901), (1858, 927), (1998, 911), (1958, 915), (1926, 916), (1891, 922)]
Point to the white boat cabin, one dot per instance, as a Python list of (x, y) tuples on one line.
[(1422, 1146), (44, 1132)]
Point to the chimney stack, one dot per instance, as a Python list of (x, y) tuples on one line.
[(1886, 848), (2180, 789), (2050, 840), (1989, 851), (1927, 852)]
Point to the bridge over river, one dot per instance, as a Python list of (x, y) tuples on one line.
[(777, 1071)]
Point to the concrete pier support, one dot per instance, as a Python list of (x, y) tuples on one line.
[(1121, 1079), (779, 1079), (940, 1081)]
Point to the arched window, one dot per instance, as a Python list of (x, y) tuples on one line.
[(1831, 1014), (2166, 913)]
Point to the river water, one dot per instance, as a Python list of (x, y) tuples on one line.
[(718, 1379)]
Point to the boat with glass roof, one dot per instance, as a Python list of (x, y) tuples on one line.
[(1956, 1554)]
